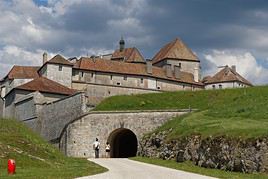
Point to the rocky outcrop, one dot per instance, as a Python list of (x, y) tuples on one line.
[(250, 155)]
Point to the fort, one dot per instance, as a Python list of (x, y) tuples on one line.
[(57, 98)]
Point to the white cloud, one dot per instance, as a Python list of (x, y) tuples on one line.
[(246, 64), (10, 55)]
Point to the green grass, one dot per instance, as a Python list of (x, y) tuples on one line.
[(189, 167), (35, 158), (231, 112)]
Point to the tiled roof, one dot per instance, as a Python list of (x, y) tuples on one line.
[(226, 75), (58, 59), (111, 66), (43, 84), (175, 50), (128, 55), (23, 72)]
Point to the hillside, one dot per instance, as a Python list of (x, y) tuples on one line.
[(35, 158), (232, 112)]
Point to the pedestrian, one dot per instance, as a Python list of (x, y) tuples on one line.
[(96, 147), (107, 149)]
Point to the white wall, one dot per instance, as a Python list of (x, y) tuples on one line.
[(225, 85), (63, 77)]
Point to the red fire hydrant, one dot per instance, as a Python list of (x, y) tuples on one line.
[(11, 166)]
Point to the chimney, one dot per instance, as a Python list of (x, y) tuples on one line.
[(234, 68), (177, 71), (149, 67), (168, 70), (196, 74), (44, 57)]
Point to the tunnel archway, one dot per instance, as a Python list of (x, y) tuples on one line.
[(123, 143)]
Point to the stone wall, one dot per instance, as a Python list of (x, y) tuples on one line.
[(96, 93), (219, 152), (54, 116), (1, 107), (78, 137)]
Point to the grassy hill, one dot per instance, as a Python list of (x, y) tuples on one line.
[(232, 112), (35, 158)]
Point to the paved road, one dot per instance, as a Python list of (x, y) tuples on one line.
[(129, 169)]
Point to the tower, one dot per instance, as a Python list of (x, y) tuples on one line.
[(121, 44)]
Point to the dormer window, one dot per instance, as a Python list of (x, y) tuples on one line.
[(60, 67)]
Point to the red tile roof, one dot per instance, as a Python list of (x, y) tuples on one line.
[(23, 72), (45, 85), (226, 75), (175, 50), (58, 59), (111, 66), (128, 55)]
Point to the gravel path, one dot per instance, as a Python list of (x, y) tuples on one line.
[(129, 169)]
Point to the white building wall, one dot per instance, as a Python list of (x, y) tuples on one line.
[(225, 85), (63, 77)]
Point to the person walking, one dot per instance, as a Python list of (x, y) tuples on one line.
[(107, 150), (96, 147)]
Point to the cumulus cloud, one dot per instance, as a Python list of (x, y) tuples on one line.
[(246, 64)]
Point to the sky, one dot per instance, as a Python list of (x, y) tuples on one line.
[(229, 32)]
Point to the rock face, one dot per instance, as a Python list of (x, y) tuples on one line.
[(224, 153)]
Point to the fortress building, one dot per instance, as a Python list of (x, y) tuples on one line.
[(49, 97)]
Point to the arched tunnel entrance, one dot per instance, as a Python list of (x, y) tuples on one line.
[(123, 143)]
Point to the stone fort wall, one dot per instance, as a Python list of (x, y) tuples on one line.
[(48, 119), (78, 136)]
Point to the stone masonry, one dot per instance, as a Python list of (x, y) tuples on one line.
[(78, 136)]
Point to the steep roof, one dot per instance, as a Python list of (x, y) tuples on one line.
[(23, 72), (58, 59), (130, 55), (45, 85), (226, 75), (110, 66), (175, 50)]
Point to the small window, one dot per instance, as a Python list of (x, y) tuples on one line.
[(60, 67), (213, 86), (141, 80), (82, 74), (220, 86), (111, 77), (118, 83), (158, 87), (125, 77), (180, 65), (73, 73), (92, 75)]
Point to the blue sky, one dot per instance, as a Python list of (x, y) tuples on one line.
[(229, 32)]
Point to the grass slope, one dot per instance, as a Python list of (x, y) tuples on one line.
[(35, 158), (232, 112), (189, 167)]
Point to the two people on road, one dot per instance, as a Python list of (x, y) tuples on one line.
[(96, 148)]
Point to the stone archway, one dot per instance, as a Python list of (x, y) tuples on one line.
[(123, 143)]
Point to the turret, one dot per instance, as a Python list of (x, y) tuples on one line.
[(121, 44)]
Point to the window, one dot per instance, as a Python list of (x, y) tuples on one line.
[(141, 80), (92, 75), (125, 77), (180, 65), (220, 86), (111, 77), (60, 67), (213, 86), (118, 83), (158, 87), (73, 73), (82, 74)]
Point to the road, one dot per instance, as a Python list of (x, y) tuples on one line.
[(129, 169)]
